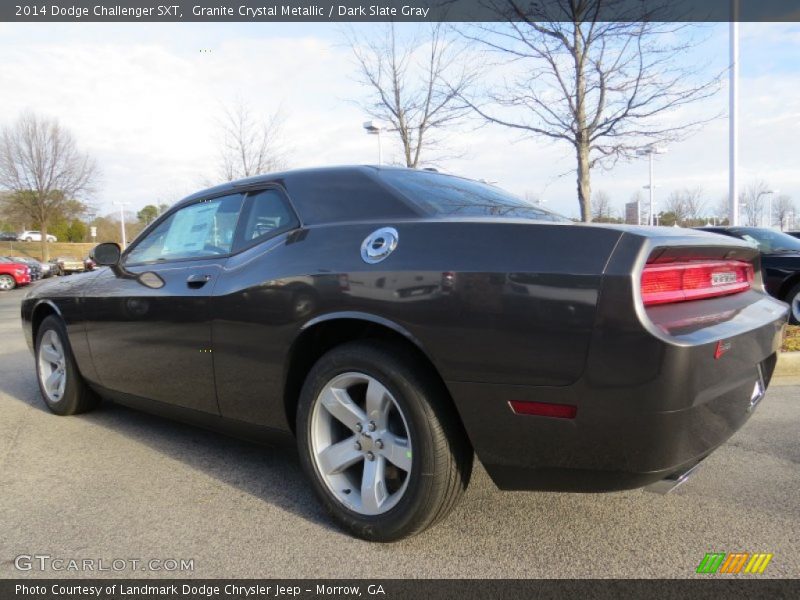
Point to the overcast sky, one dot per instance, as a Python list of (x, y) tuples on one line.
[(144, 101)]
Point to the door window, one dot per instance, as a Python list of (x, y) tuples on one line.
[(200, 230), (266, 215)]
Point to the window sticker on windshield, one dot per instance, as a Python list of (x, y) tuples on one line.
[(190, 229)]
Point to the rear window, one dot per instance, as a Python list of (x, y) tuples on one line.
[(446, 196)]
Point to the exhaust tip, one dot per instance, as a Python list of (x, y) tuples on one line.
[(666, 485)]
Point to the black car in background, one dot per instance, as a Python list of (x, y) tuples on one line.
[(780, 261), (393, 323), (8, 236)]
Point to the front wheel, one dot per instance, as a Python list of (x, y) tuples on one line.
[(7, 282), (62, 387), (381, 441), (793, 298)]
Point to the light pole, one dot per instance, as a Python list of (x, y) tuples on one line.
[(769, 211), (650, 151), (375, 128), (122, 221)]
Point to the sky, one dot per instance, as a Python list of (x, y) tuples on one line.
[(145, 102)]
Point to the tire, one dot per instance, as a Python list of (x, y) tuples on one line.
[(431, 457), (793, 298), (69, 394), (7, 282)]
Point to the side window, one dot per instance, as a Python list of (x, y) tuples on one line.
[(267, 214), (199, 230)]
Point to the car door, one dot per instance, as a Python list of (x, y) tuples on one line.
[(148, 322)]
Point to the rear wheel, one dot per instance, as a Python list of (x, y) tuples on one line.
[(381, 442), (7, 282), (793, 298), (62, 387)]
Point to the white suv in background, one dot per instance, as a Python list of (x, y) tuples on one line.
[(35, 236)]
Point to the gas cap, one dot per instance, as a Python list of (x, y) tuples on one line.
[(379, 244)]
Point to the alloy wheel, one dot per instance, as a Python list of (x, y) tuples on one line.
[(361, 445), (52, 366), (6, 282)]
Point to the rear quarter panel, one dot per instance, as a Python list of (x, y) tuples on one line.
[(493, 301)]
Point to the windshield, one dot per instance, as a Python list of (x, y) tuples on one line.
[(446, 196), (768, 240)]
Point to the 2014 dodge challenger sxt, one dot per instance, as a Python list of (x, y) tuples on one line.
[(398, 321)]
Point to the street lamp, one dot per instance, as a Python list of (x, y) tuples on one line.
[(122, 221), (650, 151), (375, 128)]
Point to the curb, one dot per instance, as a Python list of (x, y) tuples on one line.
[(788, 365)]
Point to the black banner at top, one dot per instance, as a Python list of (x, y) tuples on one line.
[(397, 10)]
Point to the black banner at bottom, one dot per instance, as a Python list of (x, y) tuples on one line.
[(392, 589)]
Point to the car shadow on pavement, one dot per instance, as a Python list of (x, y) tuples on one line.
[(271, 473)]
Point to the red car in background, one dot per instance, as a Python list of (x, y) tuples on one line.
[(13, 274)]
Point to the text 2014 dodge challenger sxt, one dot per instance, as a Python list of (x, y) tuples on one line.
[(397, 321)]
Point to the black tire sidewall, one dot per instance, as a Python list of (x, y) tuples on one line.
[(410, 514), (790, 298)]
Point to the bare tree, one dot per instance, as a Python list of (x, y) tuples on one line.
[(783, 209), (751, 202), (605, 88), (250, 146), (686, 204), (601, 207), (414, 84), (41, 165)]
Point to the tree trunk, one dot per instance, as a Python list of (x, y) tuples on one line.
[(45, 249), (584, 182), (582, 132)]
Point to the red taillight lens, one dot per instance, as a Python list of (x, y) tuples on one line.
[(679, 282)]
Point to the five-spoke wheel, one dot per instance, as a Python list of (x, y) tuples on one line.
[(361, 444), (381, 441), (52, 366)]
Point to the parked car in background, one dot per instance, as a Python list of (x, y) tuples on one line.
[(65, 265), (396, 322), (13, 274), (8, 236), (780, 261), (35, 236), (89, 264), (34, 265)]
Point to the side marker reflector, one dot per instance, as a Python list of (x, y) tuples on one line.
[(543, 409)]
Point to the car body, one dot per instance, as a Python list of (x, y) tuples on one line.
[(8, 236), (66, 265), (13, 274), (367, 311), (34, 265), (795, 234), (35, 236), (780, 261)]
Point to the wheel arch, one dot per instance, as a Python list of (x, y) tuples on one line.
[(788, 284), (325, 332), (40, 312)]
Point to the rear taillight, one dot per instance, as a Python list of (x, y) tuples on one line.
[(694, 280)]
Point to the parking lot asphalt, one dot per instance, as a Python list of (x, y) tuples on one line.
[(119, 484)]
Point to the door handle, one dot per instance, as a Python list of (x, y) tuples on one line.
[(197, 280)]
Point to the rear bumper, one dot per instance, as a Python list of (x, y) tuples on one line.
[(646, 409)]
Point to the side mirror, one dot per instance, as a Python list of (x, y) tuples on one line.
[(106, 254)]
